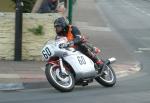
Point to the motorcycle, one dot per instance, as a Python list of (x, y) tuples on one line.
[(67, 67)]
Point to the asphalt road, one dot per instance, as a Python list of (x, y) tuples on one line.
[(130, 19)]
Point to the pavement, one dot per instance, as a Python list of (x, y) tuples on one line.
[(22, 75), (30, 74)]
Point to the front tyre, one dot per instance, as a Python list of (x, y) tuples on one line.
[(108, 77), (59, 81)]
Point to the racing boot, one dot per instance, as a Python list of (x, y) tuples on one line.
[(98, 62)]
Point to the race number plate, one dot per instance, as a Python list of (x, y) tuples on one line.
[(47, 52)]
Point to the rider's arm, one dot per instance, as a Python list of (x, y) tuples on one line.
[(77, 34), (90, 46)]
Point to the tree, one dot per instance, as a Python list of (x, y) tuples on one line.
[(37, 6), (28, 5)]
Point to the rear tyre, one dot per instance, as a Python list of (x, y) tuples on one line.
[(59, 81), (108, 78)]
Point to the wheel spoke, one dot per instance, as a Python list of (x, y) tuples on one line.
[(62, 81), (108, 75)]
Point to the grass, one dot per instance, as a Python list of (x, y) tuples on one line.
[(37, 31)]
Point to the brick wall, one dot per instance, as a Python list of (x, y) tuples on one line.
[(32, 43)]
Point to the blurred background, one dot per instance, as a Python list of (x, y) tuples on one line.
[(35, 19)]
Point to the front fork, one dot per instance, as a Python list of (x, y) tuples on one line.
[(59, 62), (62, 69)]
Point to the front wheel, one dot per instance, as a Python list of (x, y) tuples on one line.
[(59, 81), (108, 77)]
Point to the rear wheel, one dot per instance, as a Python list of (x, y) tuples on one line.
[(60, 82), (108, 77)]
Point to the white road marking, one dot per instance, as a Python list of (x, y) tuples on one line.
[(121, 72), (148, 14), (79, 23), (144, 12), (144, 38), (85, 25), (16, 76), (94, 28), (144, 49), (138, 51), (133, 6), (6, 76), (122, 75)]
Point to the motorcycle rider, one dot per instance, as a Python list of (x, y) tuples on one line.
[(75, 39)]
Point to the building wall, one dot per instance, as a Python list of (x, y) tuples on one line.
[(32, 44)]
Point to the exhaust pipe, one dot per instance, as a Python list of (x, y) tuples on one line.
[(112, 60), (107, 62)]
